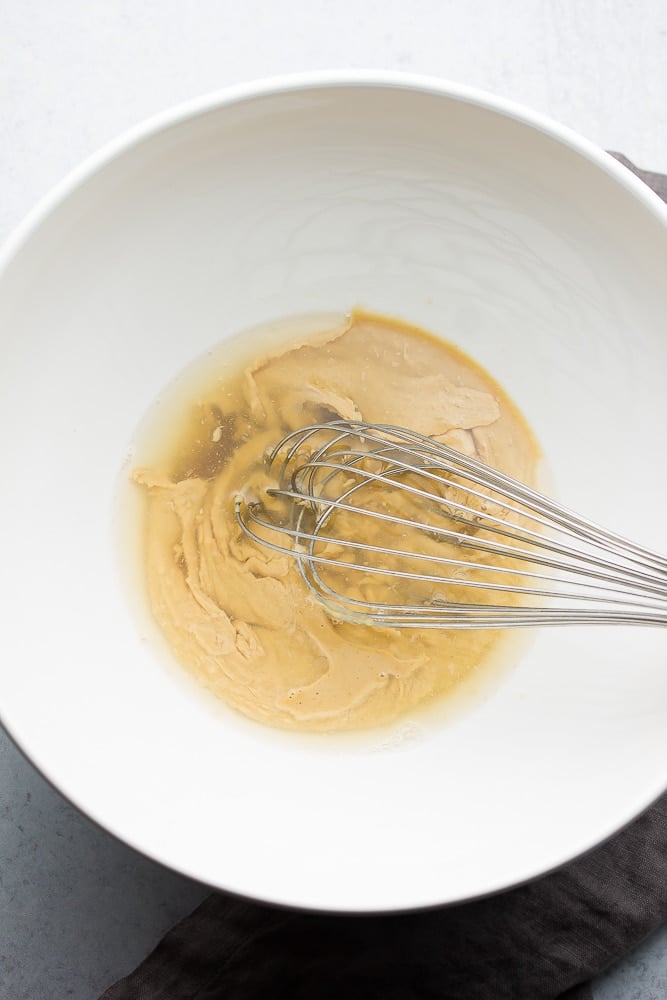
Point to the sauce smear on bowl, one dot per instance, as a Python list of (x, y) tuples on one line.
[(237, 615)]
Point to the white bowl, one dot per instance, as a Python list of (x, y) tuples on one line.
[(534, 251)]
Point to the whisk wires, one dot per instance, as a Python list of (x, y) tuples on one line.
[(389, 527)]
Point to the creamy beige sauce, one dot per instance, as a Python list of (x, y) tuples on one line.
[(238, 615)]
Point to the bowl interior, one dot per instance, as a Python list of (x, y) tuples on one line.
[(525, 250)]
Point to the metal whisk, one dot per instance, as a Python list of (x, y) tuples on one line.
[(392, 528)]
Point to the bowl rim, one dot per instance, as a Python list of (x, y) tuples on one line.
[(320, 80), (294, 83)]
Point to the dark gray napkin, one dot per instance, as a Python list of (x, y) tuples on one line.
[(542, 941), (656, 181)]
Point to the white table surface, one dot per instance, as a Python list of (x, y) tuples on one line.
[(77, 909)]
